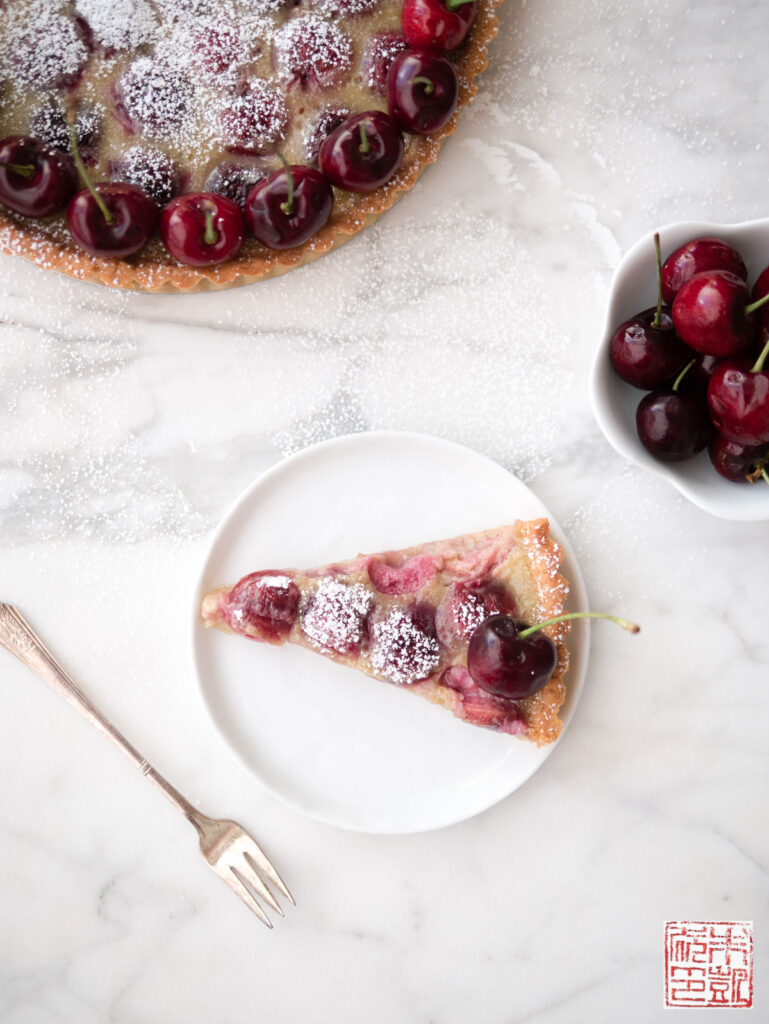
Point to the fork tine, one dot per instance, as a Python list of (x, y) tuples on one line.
[(259, 861), (251, 878), (235, 882)]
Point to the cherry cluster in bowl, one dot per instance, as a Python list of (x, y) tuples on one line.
[(700, 355), (117, 219)]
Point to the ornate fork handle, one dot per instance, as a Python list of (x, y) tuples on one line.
[(17, 636)]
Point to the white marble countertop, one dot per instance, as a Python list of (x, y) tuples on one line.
[(471, 311)]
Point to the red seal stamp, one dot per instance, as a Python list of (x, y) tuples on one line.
[(709, 963)]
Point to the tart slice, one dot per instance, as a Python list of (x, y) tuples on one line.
[(406, 617)]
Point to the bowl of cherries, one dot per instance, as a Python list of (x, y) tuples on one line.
[(680, 381)]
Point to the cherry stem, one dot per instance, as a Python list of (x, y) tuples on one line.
[(631, 627), (683, 373), (24, 170), (83, 172), (365, 145), (758, 366), (765, 475), (210, 235), (757, 304), (288, 206), (452, 5), (426, 82), (658, 254)]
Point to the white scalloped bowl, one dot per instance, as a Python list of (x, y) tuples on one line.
[(633, 288)]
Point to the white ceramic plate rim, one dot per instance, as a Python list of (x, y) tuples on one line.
[(723, 499), (578, 643)]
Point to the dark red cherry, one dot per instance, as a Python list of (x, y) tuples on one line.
[(505, 664), (263, 605), (289, 207), (130, 221), (710, 314), (34, 181), (737, 462), (738, 397), (645, 355), (363, 152), (438, 24), (422, 91), (202, 229), (694, 257), (674, 425)]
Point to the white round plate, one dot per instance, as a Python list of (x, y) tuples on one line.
[(340, 747)]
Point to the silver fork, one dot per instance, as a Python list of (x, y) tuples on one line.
[(236, 858)]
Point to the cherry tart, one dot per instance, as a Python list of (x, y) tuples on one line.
[(444, 620), (215, 98)]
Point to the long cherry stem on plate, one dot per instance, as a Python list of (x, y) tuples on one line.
[(631, 627)]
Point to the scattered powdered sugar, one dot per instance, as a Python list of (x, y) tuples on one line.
[(119, 24), (40, 48), (402, 651), (150, 169), (308, 50), (335, 617)]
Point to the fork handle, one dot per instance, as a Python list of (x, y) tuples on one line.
[(17, 636)]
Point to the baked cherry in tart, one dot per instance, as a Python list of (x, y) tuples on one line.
[(425, 619), (190, 96)]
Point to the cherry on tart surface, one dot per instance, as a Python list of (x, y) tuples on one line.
[(673, 424), (511, 660), (711, 314), (645, 350), (289, 207), (35, 181), (201, 229), (738, 398), (422, 91), (437, 24), (737, 462), (693, 258), (123, 230), (363, 153)]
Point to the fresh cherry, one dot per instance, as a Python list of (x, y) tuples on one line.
[(737, 462), (738, 397), (645, 351), (422, 91), (202, 229), (673, 424), (508, 659), (438, 24), (289, 207), (363, 152), (696, 256), (711, 313), (35, 181), (113, 219)]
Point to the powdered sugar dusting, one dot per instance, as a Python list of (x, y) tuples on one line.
[(335, 616), (119, 24), (402, 651)]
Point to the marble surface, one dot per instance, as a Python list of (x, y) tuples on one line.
[(128, 425)]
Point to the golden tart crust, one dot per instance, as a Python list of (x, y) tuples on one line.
[(154, 270)]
